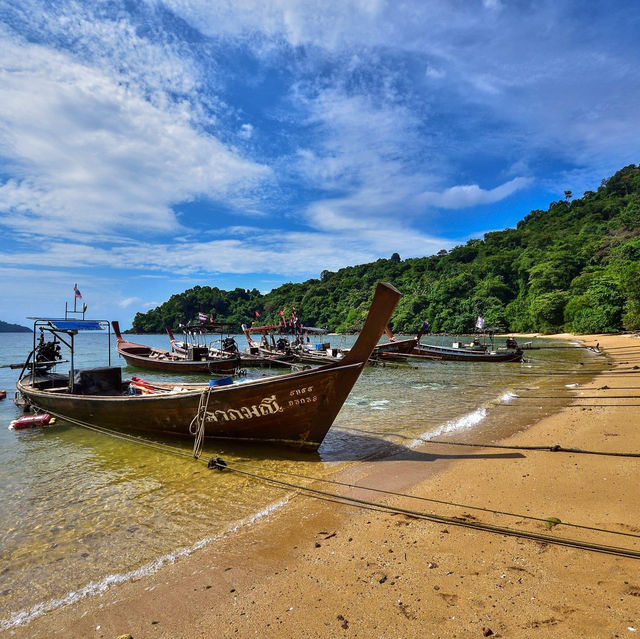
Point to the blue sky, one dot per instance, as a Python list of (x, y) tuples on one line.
[(146, 147)]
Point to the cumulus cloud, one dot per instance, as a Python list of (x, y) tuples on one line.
[(143, 136), (88, 153)]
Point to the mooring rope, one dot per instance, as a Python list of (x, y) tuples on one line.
[(197, 425), (542, 448), (453, 521), (220, 464)]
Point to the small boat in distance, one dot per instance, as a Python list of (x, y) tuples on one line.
[(195, 337), (412, 349), (396, 346), (269, 347), (194, 360), (295, 409), (460, 354)]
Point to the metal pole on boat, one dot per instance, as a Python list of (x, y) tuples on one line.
[(71, 372)]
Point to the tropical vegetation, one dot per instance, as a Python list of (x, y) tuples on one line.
[(574, 267)]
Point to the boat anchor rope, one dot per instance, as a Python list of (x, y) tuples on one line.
[(196, 427), (220, 464)]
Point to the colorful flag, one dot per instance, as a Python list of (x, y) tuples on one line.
[(480, 322), (257, 314), (202, 317), (77, 292)]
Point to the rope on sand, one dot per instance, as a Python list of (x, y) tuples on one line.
[(442, 519), (221, 464)]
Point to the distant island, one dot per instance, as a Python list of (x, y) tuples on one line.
[(574, 267), (5, 327)]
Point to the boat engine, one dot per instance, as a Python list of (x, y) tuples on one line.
[(47, 353), (229, 345)]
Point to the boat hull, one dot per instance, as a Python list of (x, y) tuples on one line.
[(179, 366), (403, 346), (444, 353), (294, 410)]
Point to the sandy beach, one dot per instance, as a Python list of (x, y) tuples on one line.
[(318, 568)]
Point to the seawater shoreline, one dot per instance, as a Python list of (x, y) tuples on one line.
[(261, 562)]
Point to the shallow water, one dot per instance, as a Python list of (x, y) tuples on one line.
[(81, 510)]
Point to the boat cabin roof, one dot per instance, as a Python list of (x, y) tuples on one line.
[(72, 324)]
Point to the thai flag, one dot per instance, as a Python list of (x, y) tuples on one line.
[(77, 292), (202, 317), (480, 322)]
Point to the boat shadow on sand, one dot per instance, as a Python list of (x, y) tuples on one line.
[(343, 445), (359, 446)]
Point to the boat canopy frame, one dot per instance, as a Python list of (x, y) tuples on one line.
[(64, 331)]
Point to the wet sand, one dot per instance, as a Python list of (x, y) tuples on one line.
[(319, 569)]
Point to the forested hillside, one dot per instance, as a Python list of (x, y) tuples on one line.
[(573, 267), (5, 327)]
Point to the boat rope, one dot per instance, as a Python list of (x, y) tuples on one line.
[(123, 436), (221, 464), (442, 519), (197, 425), (598, 405), (576, 397), (554, 448), (555, 361), (382, 491)]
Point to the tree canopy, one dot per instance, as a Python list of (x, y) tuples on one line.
[(574, 267)]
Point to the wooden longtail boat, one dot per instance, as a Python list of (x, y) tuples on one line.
[(268, 346), (228, 348), (451, 354), (295, 409), (319, 356), (395, 346), (157, 359), (475, 352)]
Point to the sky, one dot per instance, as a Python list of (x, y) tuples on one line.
[(147, 147)]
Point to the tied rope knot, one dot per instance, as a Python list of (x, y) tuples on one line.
[(196, 427)]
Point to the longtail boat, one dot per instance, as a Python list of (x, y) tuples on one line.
[(196, 360), (228, 348), (395, 346), (412, 349), (295, 409), (279, 349), (453, 354)]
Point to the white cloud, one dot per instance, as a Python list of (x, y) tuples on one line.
[(471, 195), (246, 131), (128, 302), (295, 253), (89, 153)]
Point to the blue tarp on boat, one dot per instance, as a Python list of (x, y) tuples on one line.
[(74, 325)]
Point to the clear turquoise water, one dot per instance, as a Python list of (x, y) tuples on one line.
[(80, 510)]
